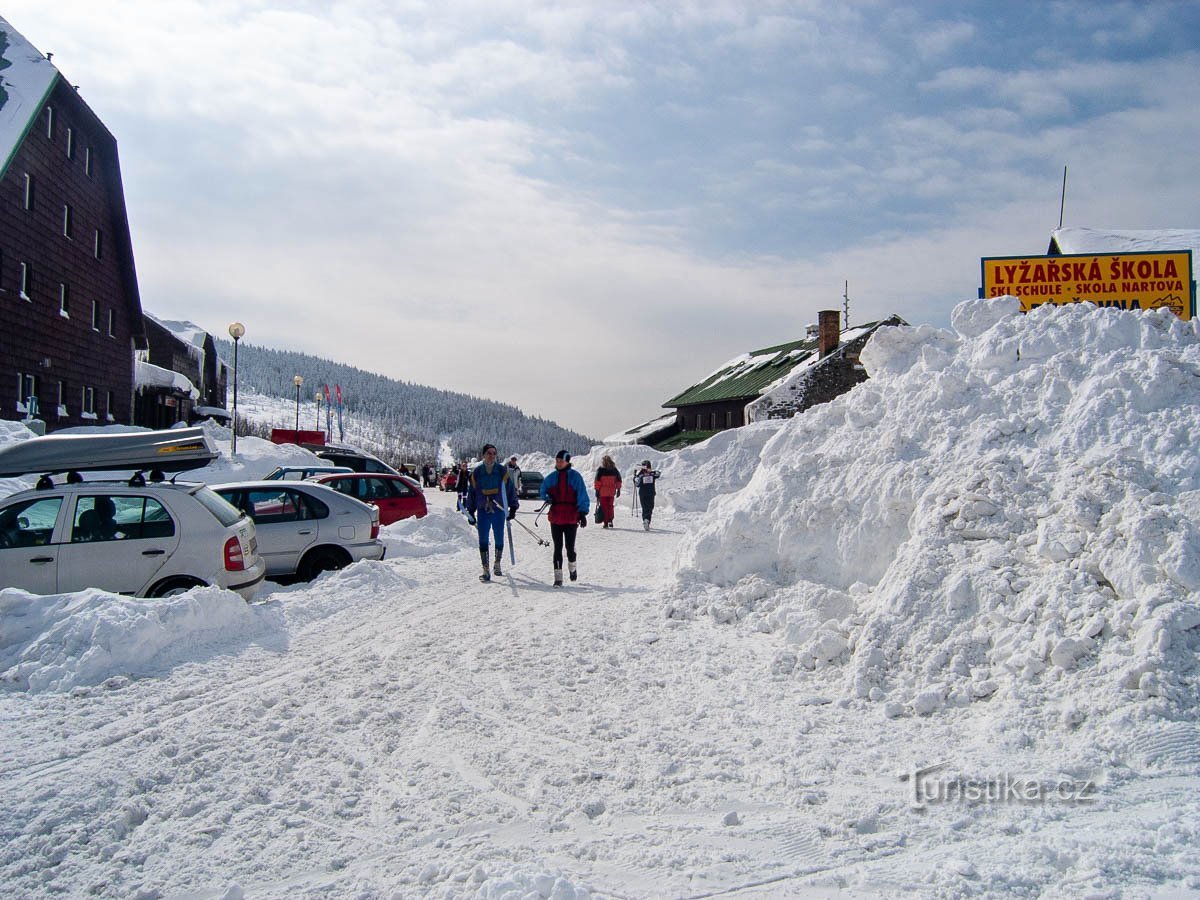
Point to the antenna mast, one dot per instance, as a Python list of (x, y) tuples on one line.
[(1063, 202), (846, 306)]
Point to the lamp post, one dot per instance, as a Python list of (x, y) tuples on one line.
[(297, 381), (317, 397), (236, 330)]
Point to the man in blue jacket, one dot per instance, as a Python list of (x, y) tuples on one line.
[(567, 495), (491, 498)]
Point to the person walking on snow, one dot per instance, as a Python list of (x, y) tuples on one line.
[(608, 487), (644, 480), (514, 474), (490, 497), (567, 495)]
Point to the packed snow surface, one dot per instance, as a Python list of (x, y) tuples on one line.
[(939, 636)]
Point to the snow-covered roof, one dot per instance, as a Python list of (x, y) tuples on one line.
[(148, 375), (26, 79), (188, 332), (641, 432), (1124, 240)]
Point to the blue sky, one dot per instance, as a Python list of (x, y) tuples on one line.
[(582, 208)]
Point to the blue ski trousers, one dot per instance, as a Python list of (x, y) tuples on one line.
[(493, 521)]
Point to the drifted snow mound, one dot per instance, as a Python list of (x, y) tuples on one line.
[(65, 641), (1011, 510)]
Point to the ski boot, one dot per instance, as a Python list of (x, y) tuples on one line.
[(646, 524), (571, 569), (486, 576), (496, 566), (558, 577)]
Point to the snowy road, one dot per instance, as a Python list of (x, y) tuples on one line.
[(399, 729)]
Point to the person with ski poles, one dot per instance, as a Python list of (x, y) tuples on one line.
[(491, 498), (567, 495), (608, 487), (644, 480)]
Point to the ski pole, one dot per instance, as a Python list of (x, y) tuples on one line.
[(539, 513), (537, 537)]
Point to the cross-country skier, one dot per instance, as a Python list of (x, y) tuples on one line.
[(567, 495), (489, 495), (608, 487), (645, 478)]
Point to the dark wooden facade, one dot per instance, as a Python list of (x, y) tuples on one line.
[(69, 306)]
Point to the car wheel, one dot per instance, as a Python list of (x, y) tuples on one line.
[(323, 559), (172, 587)]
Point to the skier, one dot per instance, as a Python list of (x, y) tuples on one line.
[(489, 496), (567, 495), (608, 487), (644, 480)]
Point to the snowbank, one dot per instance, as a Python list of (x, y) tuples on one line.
[(1010, 512)]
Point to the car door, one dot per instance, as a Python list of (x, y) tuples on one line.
[(283, 524), (115, 542), (29, 556)]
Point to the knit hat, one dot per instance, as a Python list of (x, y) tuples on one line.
[(563, 455), (646, 463)]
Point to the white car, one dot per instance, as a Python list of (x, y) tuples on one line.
[(306, 528), (128, 537)]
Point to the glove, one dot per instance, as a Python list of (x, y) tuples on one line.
[(470, 518), (582, 520), (512, 513), (618, 492)]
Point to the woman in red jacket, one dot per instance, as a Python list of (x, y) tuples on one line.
[(608, 487)]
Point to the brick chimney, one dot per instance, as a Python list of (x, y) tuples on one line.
[(829, 324)]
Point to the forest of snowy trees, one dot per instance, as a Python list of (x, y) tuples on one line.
[(407, 422)]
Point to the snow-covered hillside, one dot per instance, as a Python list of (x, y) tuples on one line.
[(937, 637)]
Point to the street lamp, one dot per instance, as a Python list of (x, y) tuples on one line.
[(317, 397), (236, 330), (297, 381)]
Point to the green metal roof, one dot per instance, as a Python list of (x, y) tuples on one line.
[(748, 374)]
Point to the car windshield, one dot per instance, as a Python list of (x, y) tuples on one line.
[(227, 514)]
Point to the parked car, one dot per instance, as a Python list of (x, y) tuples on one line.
[(299, 473), (397, 496), (151, 539), (305, 528), (354, 459), (531, 484)]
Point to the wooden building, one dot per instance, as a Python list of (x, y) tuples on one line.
[(179, 377), (70, 314), (774, 382)]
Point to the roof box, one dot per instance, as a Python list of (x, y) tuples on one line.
[(174, 450)]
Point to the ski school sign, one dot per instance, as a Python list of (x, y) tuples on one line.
[(1123, 280)]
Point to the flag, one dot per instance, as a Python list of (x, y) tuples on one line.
[(341, 432), (328, 413)]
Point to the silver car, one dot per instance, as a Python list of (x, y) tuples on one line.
[(147, 540), (306, 528)]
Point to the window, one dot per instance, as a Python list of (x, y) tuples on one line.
[(112, 323), (27, 394), (728, 418), (70, 143), (64, 300), (88, 404), (699, 422), (67, 228), (105, 518), (108, 406), (50, 122), (28, 191), (62, 399), (712, 421), (95, 316), (87, 162), (97, 244), (31, 524), (26, 291)]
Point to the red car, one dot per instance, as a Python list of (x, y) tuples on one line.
[(397, 496)]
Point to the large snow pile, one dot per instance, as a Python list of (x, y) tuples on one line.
[(1009, 513)]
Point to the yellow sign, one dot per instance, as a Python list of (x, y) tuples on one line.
[(1123, 280)]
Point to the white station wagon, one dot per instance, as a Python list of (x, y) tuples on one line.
[(148, 540)]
